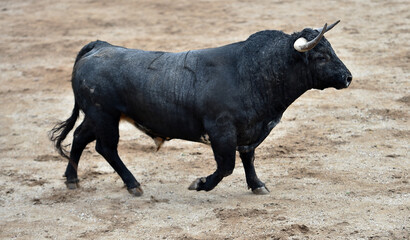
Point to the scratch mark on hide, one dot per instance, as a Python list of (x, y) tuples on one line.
[(187, 67), (152, 62)]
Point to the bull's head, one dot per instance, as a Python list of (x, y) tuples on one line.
[(326, 68)]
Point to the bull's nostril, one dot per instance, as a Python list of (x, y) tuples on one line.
[(348, 80)]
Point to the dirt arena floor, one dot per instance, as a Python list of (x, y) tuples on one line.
[(337, 165)]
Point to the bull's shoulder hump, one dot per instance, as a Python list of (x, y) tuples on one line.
[(220, 56)]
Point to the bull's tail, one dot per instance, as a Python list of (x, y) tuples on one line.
[(60, 131)]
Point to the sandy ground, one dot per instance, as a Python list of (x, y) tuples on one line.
[(337, 165)]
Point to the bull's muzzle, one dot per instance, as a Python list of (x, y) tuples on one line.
[(349, 79)]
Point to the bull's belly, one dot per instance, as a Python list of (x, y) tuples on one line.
[(183, 127)]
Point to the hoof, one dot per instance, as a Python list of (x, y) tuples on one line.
[(260, 191), (136, 191), (72, 184), (195, 184)]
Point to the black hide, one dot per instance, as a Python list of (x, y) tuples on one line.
[(230, 97)]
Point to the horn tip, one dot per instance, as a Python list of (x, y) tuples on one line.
[(338, 21)]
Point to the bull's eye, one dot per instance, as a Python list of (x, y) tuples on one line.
[(322, 58)]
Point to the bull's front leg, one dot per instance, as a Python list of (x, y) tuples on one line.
[(222, 135), (257, 186)]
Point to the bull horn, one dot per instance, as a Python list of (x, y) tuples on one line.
[(302, 45), (328, 28)]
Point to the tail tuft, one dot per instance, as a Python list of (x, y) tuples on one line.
[(60, 131)]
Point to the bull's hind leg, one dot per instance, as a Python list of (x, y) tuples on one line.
[(223, 141), (107, 141), (257, 186), (83, 135)]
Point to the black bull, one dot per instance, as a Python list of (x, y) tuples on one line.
[(230, 97)]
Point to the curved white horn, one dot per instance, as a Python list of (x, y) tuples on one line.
[(302, 45)]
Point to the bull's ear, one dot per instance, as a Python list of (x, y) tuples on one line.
[(302, 45)]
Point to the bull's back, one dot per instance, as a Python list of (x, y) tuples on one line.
[(155, 89)]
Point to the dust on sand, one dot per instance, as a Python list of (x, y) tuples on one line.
[(337, 165)]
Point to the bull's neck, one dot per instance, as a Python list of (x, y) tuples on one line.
[(280, 84), (295, 81)]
